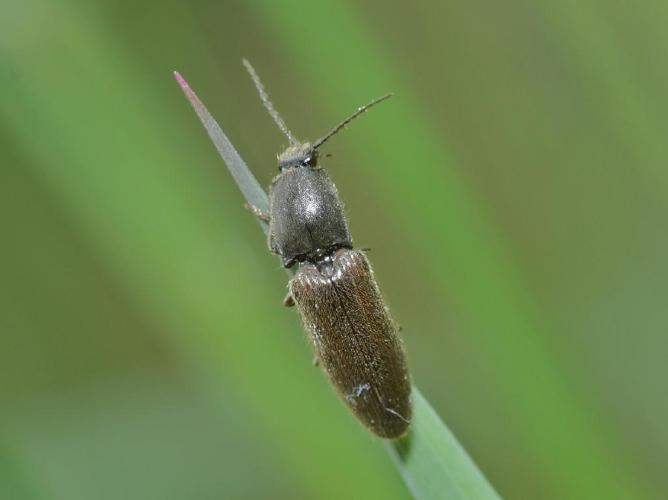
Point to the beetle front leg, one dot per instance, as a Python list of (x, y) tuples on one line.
[(257, 212), (289, 300)]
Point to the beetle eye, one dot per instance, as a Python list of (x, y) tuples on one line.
[(311, 160)]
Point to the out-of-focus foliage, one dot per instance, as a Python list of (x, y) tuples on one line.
[(514, 194)]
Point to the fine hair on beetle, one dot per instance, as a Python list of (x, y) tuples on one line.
[(354, 337), (302, 153)]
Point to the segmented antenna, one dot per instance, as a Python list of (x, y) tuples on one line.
[(267, 102), (345, 122)]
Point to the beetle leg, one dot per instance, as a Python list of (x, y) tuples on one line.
[(257, 212), (288, 301)]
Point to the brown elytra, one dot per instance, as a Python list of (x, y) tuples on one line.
[(355, 339)]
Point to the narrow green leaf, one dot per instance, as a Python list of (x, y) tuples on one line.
[(430, 459), (246, 181), (433, 463), (248, 184)]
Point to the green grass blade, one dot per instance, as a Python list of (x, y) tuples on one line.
[(431, 461), (246, 181)]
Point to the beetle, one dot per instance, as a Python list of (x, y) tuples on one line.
[(354, 337)]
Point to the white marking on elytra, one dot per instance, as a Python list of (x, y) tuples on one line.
[(358, 390)]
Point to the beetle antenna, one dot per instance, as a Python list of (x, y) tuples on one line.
[(345, 122), (267, 102)]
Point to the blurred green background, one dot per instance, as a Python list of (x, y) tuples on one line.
[(514, 194)]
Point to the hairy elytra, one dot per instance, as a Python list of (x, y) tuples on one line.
[(354, 338)]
